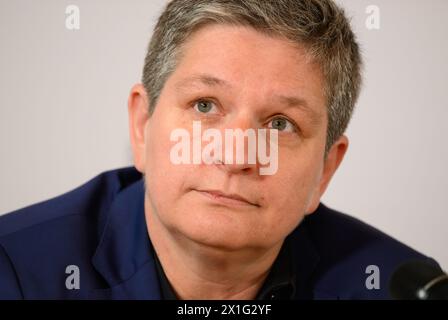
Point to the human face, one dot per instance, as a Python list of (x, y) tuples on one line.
[(236, 78)]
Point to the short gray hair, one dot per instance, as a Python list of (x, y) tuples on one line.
[(320, 25)]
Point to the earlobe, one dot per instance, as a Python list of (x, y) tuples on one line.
[(138, 117), (331, 164)]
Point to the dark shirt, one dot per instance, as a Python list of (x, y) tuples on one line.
[(279, 284)]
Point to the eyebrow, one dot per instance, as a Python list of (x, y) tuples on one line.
[(289, 101), (204, 79), (301, 104)]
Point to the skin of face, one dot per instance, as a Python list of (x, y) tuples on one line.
[(248, 79)]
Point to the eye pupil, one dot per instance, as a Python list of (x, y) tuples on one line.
[(279, 124), (204, 106)]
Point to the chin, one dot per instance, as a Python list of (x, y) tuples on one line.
[(218, 232)]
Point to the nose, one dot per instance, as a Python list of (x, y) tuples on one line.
[(240, 146), (236, 168)]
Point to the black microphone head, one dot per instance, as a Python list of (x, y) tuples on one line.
[(418, 280)]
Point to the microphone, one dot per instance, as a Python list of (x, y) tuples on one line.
[(418, 280)]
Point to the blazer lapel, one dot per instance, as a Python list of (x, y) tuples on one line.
[(124, 256)]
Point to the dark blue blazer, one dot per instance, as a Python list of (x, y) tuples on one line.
[(100, 228)]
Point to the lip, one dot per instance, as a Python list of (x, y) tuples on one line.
[(227, 199)]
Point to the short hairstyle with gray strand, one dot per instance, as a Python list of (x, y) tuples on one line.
[(321, 26)]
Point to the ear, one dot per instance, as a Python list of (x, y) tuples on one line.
[(331, 164), (138, 117)]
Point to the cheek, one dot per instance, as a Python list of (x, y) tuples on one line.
[(291, 190), (163, 178), (288, 205)]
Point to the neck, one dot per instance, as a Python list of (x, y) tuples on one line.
[(198, 271)]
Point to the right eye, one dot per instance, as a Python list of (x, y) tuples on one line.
[(205, 106)]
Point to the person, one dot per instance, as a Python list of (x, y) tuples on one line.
[(174, 228)]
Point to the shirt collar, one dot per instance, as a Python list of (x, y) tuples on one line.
[(280, 283)]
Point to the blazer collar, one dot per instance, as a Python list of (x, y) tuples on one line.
[(124, 255)]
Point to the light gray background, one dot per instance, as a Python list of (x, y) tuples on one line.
[(63, 116)]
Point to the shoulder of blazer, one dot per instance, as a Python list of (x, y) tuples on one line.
[(349, 249), (38, 242)]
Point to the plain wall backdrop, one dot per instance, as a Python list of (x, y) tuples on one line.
[(63, 108)]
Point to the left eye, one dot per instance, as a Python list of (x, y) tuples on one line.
[(205, 106), (281, 124)]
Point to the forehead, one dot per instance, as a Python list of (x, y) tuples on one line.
[(236, 44)]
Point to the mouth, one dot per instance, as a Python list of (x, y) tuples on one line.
[(226, 199)]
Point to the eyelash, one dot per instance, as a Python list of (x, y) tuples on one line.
[(195, 103), (293, 124), (278, 116)]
